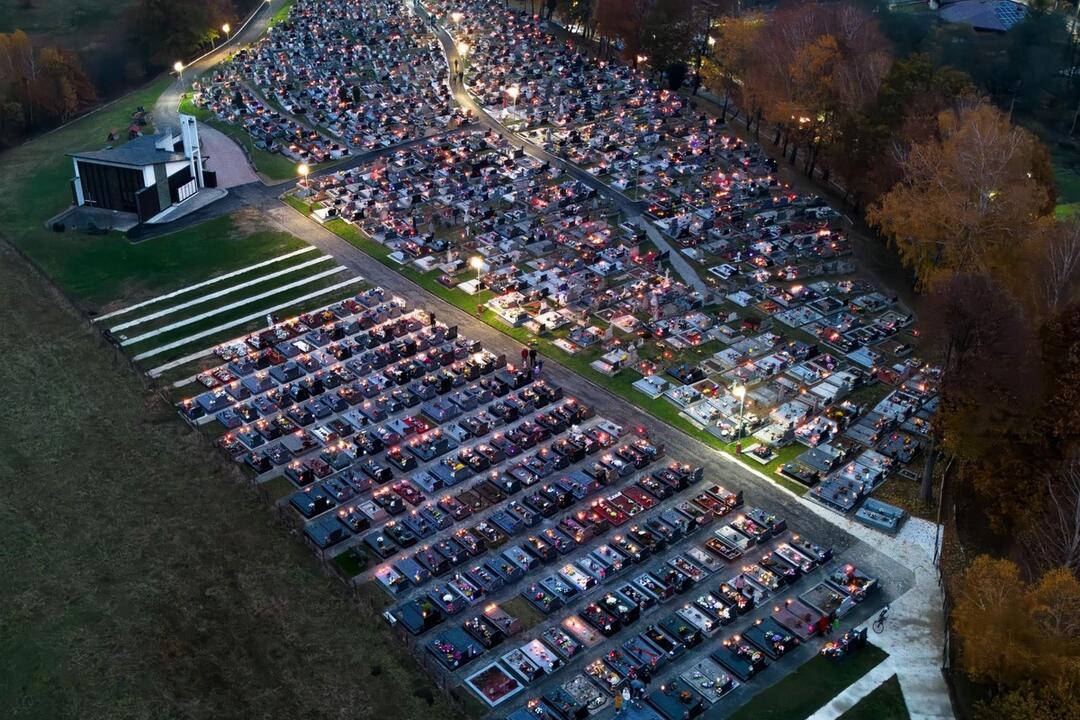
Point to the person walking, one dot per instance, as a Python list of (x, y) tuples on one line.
[(431, 320), (532, 357), (618, 704), (539, 368), (525, 357)]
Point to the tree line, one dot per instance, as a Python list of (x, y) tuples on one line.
[(43, 85)]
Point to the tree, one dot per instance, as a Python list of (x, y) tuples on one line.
[(167, 30), (966, 194), (1055, 265), (1057, 699), (676, 74), (666, 32), (1014, 633), (726, 68), (869, 143), (990, 391), (62, 89), (619, 20), (12, 122), (992, 618), (814, 66)]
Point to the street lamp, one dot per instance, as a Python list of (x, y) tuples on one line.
[(303, 170), (227, 29), (179, 68), (641, 59), (463, 51), (513, 92), (739, 391), (476, 263), (456, 17)]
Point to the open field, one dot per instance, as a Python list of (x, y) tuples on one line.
[(1068, 183), (61, 20), (141, 581)]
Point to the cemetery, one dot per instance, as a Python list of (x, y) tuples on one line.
[(463, 485)]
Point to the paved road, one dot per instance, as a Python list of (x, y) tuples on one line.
[(165, 109), (224, 155)]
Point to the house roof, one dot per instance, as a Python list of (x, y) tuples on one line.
[(140, 152), (993, 15)]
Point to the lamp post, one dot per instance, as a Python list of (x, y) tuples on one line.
[(640, 60), (739, 391), (476, 262), (179, 68), (463, 52), (513, 92), (456, 17), (227, 29), (303, 170)]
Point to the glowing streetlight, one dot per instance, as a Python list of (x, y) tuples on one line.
[(456, 17), (476, 263), (227, 29), (641, 59), (303, 170), (463, 49), (179, 68), (712, 41), (739, 391), (513, 92)]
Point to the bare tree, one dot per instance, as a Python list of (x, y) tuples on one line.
[(1059, 266), (1055, 540)]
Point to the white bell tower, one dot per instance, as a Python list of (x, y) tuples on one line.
[(189, 133)]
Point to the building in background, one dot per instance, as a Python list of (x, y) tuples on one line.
[(146, 176)]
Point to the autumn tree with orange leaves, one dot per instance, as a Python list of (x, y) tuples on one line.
[(975, 189), (1024, 639), (813, 65)]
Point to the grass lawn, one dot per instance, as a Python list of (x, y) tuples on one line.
[(885, 702), (351, 562), (1068, 186), (142, 579), (98, 270), (67, 22), (282, 13), (520, 608), (803, 692)]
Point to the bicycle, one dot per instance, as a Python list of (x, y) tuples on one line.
[(879, 624)]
